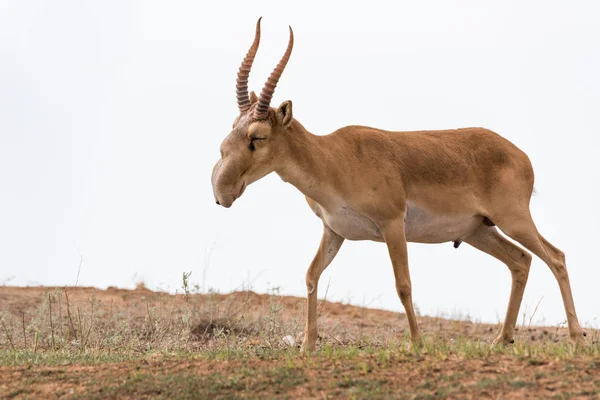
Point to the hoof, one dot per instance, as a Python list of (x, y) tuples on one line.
[(416, 345), (416, 342), (501, 340), (307, 348), (579, 340)]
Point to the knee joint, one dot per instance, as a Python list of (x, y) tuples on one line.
[(525, 263), (526, 260), (520, 269), (404, 291), (561, 257), (559, 268), (311, 284), (522, 259)]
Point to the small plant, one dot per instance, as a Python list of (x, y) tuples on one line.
[(186, 284)]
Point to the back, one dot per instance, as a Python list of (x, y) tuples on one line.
[(456, 157)]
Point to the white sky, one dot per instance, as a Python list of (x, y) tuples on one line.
[(112, 112)]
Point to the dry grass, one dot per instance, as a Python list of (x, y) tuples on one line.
[(84, 342), (131, 322)]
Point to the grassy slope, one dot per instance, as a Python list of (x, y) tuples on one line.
[(141, 344)]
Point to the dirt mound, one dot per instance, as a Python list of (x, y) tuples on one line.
[(347, 322)]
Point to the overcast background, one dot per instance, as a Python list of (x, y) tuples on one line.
[(112, 113)]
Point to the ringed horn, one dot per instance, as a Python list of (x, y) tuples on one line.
[(241, 86), (262, 109)]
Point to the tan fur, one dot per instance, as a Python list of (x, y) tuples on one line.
[(394, 187)]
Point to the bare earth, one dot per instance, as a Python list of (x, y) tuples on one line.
[(134, 344)]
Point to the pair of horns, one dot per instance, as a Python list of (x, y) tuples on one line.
[(243, 99)]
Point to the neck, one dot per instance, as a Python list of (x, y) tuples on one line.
[(306, 165)]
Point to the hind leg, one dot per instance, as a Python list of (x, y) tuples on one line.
[(520, 227), (490, 241)]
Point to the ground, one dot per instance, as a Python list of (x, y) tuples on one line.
[(115, 343)]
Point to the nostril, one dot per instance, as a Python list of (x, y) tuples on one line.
[(217, 201)]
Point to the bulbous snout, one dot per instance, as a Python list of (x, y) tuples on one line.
[(225, 190)]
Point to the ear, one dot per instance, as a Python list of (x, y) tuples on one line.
[(284, 114), (253, 97)]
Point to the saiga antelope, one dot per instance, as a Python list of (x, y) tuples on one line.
[(393, 187)]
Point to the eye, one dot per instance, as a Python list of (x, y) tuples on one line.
[(251, 145)]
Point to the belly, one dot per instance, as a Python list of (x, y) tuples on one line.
[(423, 226), (351, 225)]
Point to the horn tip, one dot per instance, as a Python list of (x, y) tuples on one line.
[(258, 25)]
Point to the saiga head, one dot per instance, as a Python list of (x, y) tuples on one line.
[(256, 145)]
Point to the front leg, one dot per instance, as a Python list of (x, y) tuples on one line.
[(395, 238), (330, 244)]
